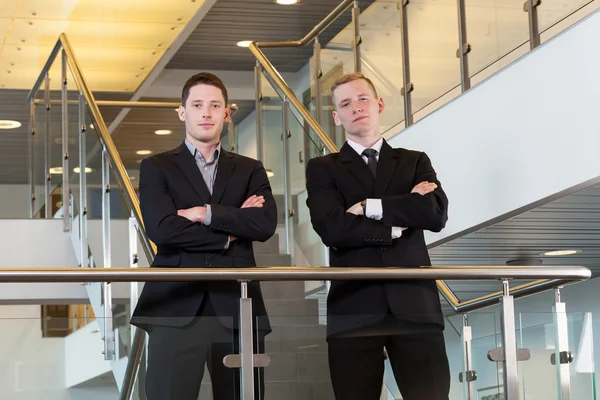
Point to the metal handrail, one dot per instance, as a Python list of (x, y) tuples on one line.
[(566, 274), (104, 137), (280, 82)]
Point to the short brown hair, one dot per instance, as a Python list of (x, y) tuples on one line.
[(350, 78), (202, 78)]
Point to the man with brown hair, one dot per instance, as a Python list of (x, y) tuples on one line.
[(370, 203), (203, 207)]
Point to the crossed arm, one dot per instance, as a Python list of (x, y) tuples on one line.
[(339, 226), (166, 225)]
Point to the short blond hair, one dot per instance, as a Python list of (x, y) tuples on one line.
[(347, 78)]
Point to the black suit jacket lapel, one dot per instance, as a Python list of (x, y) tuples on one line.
[(224, 171), (386, 168), (185, 160), (358, 167)]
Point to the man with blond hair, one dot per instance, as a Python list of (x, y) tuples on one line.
[(370, 204)]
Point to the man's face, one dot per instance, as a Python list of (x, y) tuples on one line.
[(205, 113), (356, 108)]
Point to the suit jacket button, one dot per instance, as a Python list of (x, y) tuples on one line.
[(208, 264)]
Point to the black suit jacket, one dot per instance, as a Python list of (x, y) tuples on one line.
[(338, 181), (171, 181)]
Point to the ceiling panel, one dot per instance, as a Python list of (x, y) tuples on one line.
[(212, 45)]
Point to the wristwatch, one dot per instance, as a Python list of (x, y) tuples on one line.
[(364, 206)]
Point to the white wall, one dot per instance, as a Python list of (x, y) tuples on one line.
[(32, 367), (519, 137), (15, 201)]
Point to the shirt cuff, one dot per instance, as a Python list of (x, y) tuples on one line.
[(374, 209), (228, 241), (208, 216), (396, 232)]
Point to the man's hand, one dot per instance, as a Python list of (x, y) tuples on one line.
[(194, 214), (356, 209), (254, 201), (424, 188)]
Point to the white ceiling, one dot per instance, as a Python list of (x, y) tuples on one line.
[(116, 42)]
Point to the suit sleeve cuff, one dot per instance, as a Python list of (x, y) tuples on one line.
[(374, 209), (396, 232), (208, 216)]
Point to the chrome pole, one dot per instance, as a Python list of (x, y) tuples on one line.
[(318, 83), (530, 7), (83, 210), (32, 158), (357, 38), (258, 100), (66, 189), (509, 342), (469, 374), (109, 336), (47, 149), (464, 48), (407, 85), (287, 181), (246, 348), (561, 348)]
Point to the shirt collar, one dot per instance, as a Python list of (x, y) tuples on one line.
[(194, 151), (359, 148)]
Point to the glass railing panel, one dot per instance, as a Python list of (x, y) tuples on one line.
[(304, 145), (271, 108), (432, 35), (551, 12), (539, 333)]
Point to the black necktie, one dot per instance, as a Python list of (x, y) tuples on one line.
[(371, 155)]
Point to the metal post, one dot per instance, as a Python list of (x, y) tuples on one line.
[(464, 48), (134, 259), (32, 158), (47, 147), (258, 100), (561, 349), (530, 7), (109, 338), (357, 38), (318, 83), (469, 374), (408, 86), (509, 343), (83, 239), (287, 181), (66, 190), (230, 133), (246, 348)]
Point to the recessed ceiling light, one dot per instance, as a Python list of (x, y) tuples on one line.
[(286, 2), (8, 124), (143, 152), (163, 132), (270, 173), (244, 43), (77, 170), (560, 252), (55, 170), (92, 126)]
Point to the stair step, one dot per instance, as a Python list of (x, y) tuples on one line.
[(273, 260), (271, 246), (287, 290), (285, 391)]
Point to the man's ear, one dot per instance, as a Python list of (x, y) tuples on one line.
[(380, 105), (227, 114), (181, 113), (336, 118)]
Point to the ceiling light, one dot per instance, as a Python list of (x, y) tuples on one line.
[(8, 124), (143, 152), (286, 2), (163, 132), (244, 43), (55, 170), (77, 170), (270, 173), (560, 252), (92, 126)]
